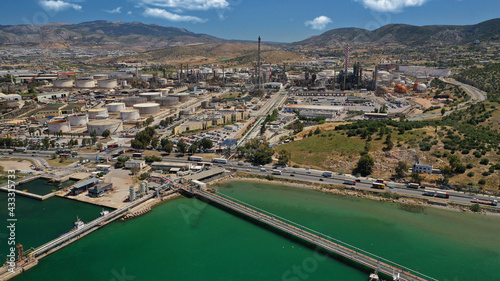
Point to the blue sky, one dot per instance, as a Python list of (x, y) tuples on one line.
[(273, 20)]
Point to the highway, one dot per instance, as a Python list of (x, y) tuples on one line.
[(311, 175)]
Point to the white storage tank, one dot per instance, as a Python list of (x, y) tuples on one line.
[(100, 76), (150, 96), (421, 88), (129, 102), (85, 83), (59, 125), (115, 107), (147, 108), (129, 114), (78, 119), (107, 83), (95, 113), (99, 126), (167, 101), (183, 97), (63, 83)]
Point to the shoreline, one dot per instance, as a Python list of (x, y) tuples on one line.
[(342, 191)]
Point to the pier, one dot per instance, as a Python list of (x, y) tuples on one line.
[(46, 249), (318, 239)]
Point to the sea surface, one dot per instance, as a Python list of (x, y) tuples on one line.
[(186, 239)]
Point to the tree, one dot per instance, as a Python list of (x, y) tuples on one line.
[(317, 131), (365, 165), (284, 157), (257, 151), (182, 146), (443, 111), (206, 143), (94, 139), (106, 133), (416, 177), (46, 143), (388, 142), (135, 170), (154, 142), (53, 156), (475, 208), (100, 145), (192, 149), (401, 169)]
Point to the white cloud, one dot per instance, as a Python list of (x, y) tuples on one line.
[(163, 14), (129, 12), (57, 5), (390, 5), (188, 4), (318, 23), (118, 10)]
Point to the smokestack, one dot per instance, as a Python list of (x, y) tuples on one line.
[(259, 79), (346, 60)]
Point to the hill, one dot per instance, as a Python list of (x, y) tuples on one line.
[(229, 54), (408, 35), (105, 34)]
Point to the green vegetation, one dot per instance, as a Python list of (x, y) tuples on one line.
[(475, 208), (120, 162), (257, 151), (486, 78), (365, 165), (412, 208), (143, 138)]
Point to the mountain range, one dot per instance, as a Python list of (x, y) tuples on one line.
[(409, 35), (140, 36), (133, 35)]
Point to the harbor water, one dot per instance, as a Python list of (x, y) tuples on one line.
[(186, 239)]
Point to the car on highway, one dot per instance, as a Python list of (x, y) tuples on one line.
[(321, 179)]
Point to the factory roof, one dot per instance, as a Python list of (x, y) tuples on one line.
[(316, 107)]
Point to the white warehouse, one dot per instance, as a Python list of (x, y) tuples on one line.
[(308, 110)]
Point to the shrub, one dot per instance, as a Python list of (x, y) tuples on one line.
[(484, 161), (470, 174)]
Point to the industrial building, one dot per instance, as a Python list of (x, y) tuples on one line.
[(51, 96), (315, 110), (133, 163), (168, 166)]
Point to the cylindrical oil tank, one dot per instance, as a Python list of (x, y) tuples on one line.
[(100, 76), (167, 101), (63, 83), (94, 113), (107, 83), (129, 114), (99, 126), (115, 107), (78, 119), (59, 125), (183, 97), (85, 83), (147, 108), (151, 95), (129, 102)]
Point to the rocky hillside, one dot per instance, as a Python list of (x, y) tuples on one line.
[(104, 34), (409, 35)]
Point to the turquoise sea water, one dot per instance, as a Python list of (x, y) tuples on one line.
[(186, 239)]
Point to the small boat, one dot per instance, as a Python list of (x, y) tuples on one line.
[(103, 213), (78, 224), (374, 277)]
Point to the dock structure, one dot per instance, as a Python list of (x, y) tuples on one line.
[(46, 249), (318, 239)]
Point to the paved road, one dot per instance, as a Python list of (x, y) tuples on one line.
[(311, 175)]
